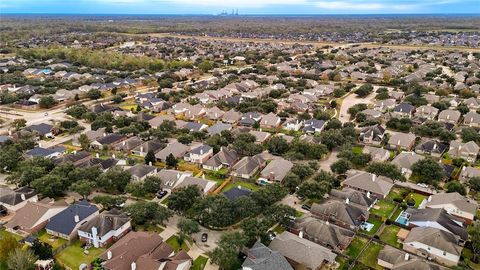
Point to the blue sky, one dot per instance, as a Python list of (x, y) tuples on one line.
[(244, 6)]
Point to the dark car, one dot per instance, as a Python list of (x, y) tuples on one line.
[(306, 207), (161, 194), (204, 237)]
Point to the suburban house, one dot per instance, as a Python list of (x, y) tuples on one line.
[(142, 149), (405, 160), (76, 158), (323, 233), (199, 154), (403, 110), (455, 204), (270, 120), (92, 135), (371, 184), (225, 158), (177, 149), (468, 172), (143, 250), (471, 119), (205, 186), (431, 147), (42, 130), (260, 136), (340, 213), (34, 216), (372, 135), (45, 152), (313, 126), (292, 124), (377, 154), (426, 112), (218, 127), (392, 258), (105, 228), (171, 178), (129, 144), (140, 171), (14, 199), (231, 117), (354, 197), (402, 141), (275, 171), (66, 223), (302, 253), (433, 243), (248, 166), (467, 151), (449, 116), (236, 192), (260, 257), (107, 141)]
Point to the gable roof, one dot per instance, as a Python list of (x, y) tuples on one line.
[(353, 196), (440, 216), (224, 157), (323, 232), (370, 182), (434, 237), (236, 192), (27, 216), (346, 213), (453, 198), (16, 196), (260, 257), (64, 222), (106, 221), (407, 159), (277, 168), (140, 170)]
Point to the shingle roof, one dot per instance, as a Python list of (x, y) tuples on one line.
[(440, 216), (236, 193), (435, 238), (16, 196), (454, 198), (106, 222), (260, 257), (347, 213), (323, 232), (370, 182), (64, 222)]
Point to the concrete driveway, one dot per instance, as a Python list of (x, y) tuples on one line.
[(213, 237)]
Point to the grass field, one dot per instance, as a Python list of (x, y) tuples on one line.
[(173, 242), (55, 242), (389, 235), (369, 256), (382, 208), (199, 263), (417, 197), (377, 223), (251, 186), (343, 262), (73, 255), (4, 233), (355, 247)]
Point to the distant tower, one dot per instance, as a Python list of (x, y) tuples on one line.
[(236, 12)]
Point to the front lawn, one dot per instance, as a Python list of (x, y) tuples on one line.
[(382, 208), (173, 242), (369, 256), (199, 263), (356, 246), (54, 242), (248, 185), (73, 255), (376, 225), (417, 197), (389, 235)]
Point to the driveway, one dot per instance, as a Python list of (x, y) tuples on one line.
[(213, 238), (352, 99), (325, 164)]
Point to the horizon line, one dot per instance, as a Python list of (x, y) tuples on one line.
[(239, 15)]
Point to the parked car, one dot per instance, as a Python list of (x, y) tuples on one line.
[(161, 193), (204, 237)]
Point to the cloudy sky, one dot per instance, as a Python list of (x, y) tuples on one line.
[(244, 6)]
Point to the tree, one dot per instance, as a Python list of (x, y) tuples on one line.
[(42, 250), (470, 134), (171, 161), (114, 180), (277, 145), (150, 157), (19, 123), (50, 185), (291, 181), (148, 213), (386, 169), (21, 260), (183, 198), (83, 187), (94, 94), (456, 186), (47, 102), (428, 171), (341, 166), (205, 65), (474, 233), (109, 202), (84, 141), (364, 90), (312, 190), (7, 246), (474, 183), (225, 255)]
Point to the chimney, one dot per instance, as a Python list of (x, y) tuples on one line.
[(150, 163), (113, 155), (239, 187), (347, 201), (134, 266), (374, 177), (368, 194), (141, 149), (124, 142), (109, 255), (22, 196), (104, 134), (300, 234), (39, 144), (178, 176), (407, 256), (430, 198), (97, 155), (201, 151), (76, 218)]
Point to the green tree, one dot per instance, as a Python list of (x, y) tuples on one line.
[(205, 66), (83, 187), (364, 90), (386, 169), (47, 102), (456, 186), (94, 94), (225, 255), (7, 246), (108, 202), (474, 183), (171, 161), (114, 180), (183, 198), (84, 141), (474, 233), (148, 213), (428, 171), (42, 250), (21, 260), (150, 157), (19, 123), (341, 166), (277, 145)]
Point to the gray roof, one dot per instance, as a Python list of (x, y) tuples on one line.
[(225, 157), (370, 182), (218, 128), (402, 139), (397, 258), (277, 168), (200, 150), (323, 232), (407, 159), (260, 257), (64, 222), (440, 216), (434, 237), (43, 152), (247, 165), (453, 198), (141, 170), (16, 196), (354, 196), (450, 115), (404, 108), (175, 148), (346, 213), (105, 222), (42, 128), (302, 251)]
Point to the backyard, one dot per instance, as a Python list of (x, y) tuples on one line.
[(4, 233), (383, 208), (376, 224), (248, 185), (356, 246), (398, 194), (417, 197), (54, 242), (389, 235), (370, 254), (73, 256)]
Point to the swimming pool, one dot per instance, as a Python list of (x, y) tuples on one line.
[(403, 218)]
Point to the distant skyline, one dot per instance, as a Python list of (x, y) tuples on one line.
[(245, 7)]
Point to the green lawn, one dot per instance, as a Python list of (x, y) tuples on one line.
[(73, 255), (467, 256), (355, 246), (357, 150), (417, 197), (389, 235), (377, 224), (396, 214), (55, 242), (398, 193), (199, 263), (343, 262), (278, 229), (4, 233), (382, 208), (173, 242), (251, 186), (369, 256)]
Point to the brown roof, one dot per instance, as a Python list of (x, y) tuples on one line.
[(27, 216)]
